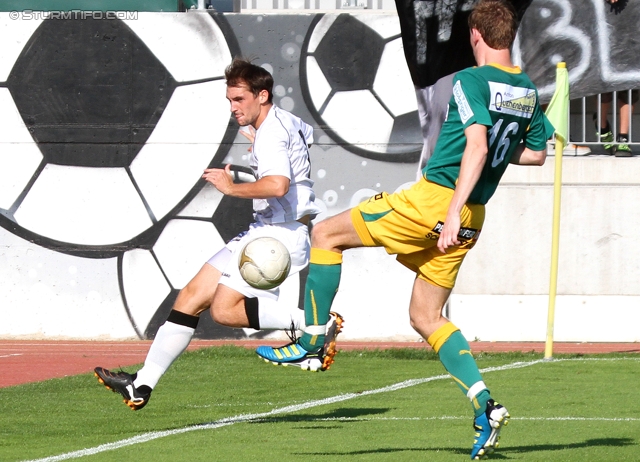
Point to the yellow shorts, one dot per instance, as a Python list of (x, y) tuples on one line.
[(408, 224)]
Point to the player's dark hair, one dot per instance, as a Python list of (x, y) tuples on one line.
[(242, 72), (496, 21)]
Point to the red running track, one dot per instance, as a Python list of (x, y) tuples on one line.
[(25, 361)]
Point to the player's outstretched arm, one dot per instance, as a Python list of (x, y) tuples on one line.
[(265, 188)]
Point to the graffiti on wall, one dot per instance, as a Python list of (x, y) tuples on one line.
[(596, 39)]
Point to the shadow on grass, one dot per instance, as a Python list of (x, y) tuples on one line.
[(602, 442), (342, 414), (379, 451), (502, 453)]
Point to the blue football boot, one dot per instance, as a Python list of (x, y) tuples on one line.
[(293, 354), (487, 429)]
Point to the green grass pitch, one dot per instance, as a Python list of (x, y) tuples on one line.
[(224, 404)]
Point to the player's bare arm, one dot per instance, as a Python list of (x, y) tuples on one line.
[(473, 160), (264, 188), (526, 156)]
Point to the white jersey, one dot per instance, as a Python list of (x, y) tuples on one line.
[(281, 147)]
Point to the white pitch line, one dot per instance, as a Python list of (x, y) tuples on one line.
[(283, 410), (12, 354)]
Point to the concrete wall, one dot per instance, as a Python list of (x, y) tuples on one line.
[(503, 289), (105, 127)]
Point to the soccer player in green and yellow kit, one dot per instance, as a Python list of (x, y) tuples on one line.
[(494, 118)]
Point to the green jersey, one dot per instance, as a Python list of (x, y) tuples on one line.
[(506, 101)]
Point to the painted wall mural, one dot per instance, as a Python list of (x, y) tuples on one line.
[(369, 78), (106, 126)]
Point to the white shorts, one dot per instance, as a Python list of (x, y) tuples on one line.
[(293, 234)]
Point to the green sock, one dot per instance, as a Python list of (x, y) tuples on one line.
[(325, 268), (481, 399), (455, 354)]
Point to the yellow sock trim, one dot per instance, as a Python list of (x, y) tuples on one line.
[(459, 381), (324, 257), (437, 339), (314, 307)]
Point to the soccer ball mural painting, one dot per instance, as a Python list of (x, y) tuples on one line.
[(107, 127), (358, 86), (105, 134), (264, 263)]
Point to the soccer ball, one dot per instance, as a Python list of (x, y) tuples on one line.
[(264, 263), (356, 82)]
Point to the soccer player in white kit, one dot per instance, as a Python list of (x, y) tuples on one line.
[(283, 202)]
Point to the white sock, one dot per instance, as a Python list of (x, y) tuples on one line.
[(273, 315), (170, 342)]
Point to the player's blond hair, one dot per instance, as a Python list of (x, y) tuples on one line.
[(243, 72), (496, 21)]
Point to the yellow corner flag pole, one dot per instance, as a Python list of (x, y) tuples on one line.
[(558, 114)]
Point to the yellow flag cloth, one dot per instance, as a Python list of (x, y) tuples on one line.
[(558, 109)]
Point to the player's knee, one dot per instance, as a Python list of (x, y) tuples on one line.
[(218, 315), (322, 236), (226, 315), (416, 324), (192, 300), (425, 322)]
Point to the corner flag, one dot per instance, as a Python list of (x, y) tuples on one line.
[(558, 109), (558, 114)]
